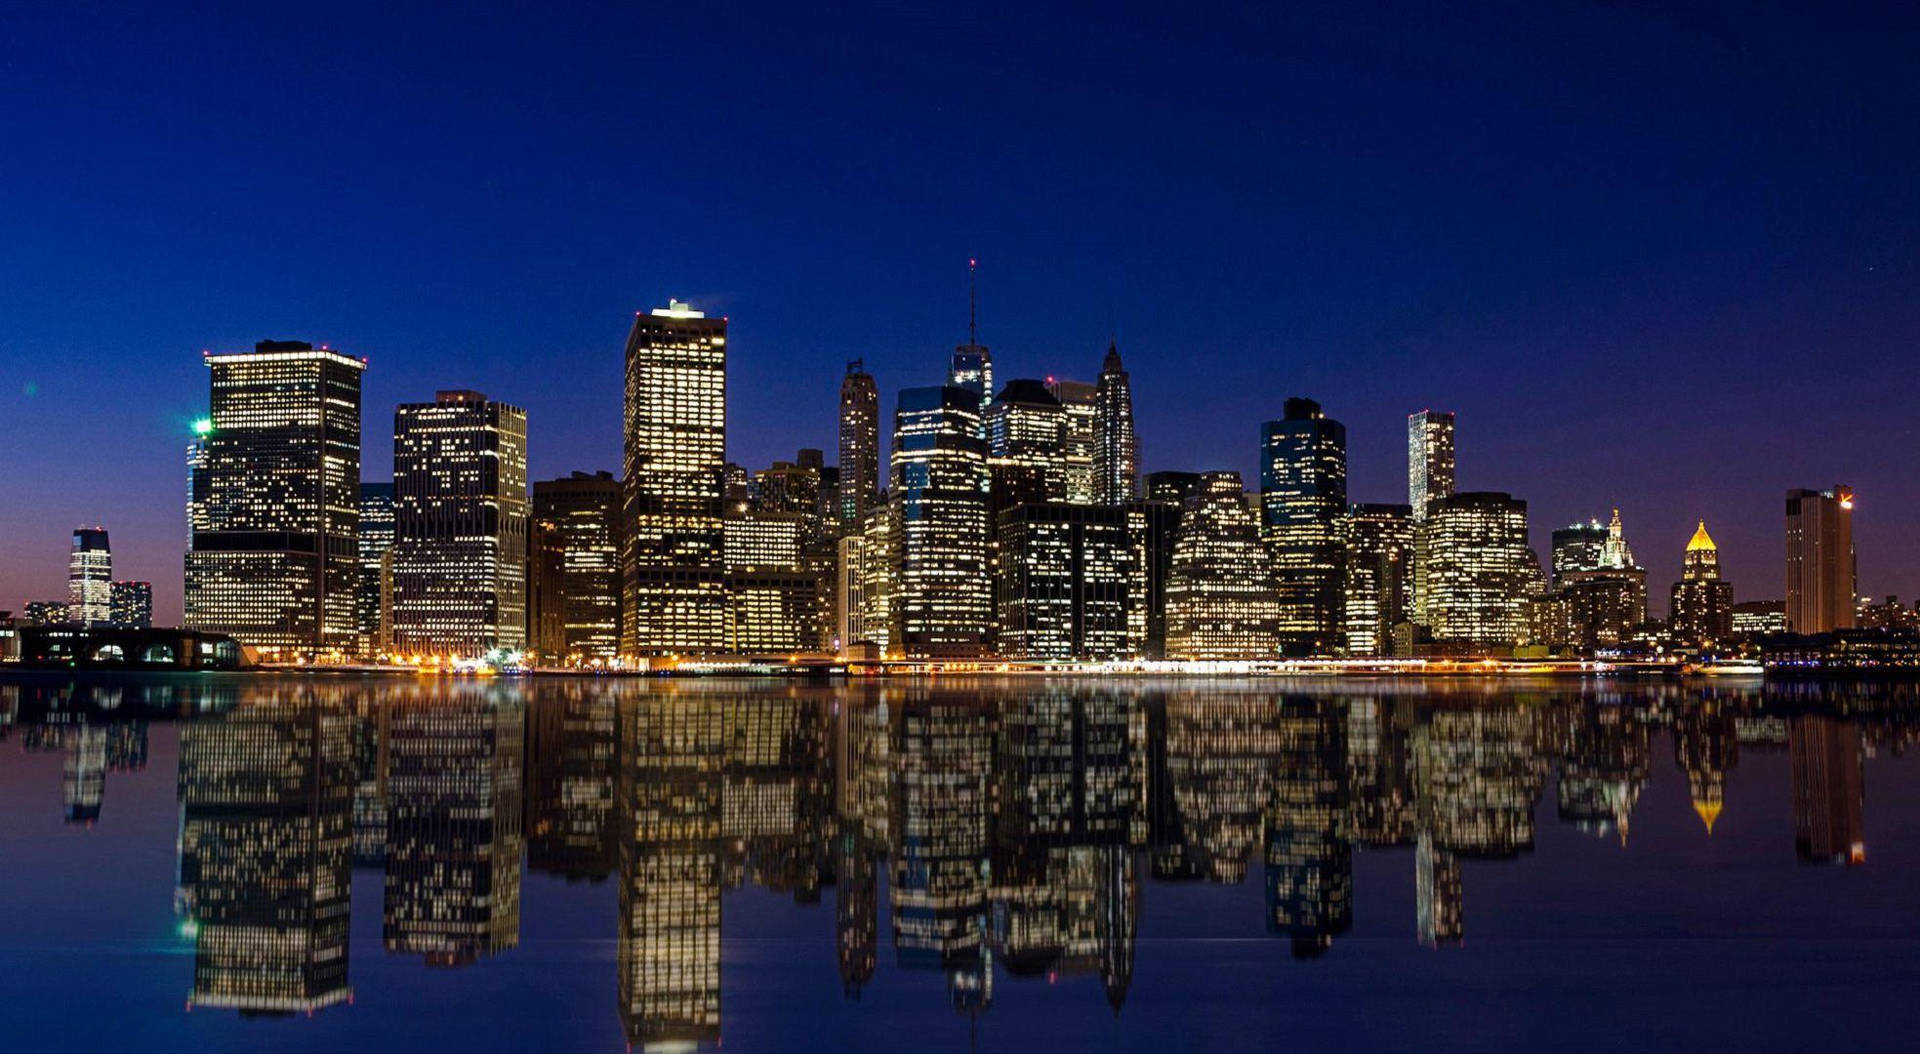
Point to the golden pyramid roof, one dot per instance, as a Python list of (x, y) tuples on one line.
[(1701, 540)]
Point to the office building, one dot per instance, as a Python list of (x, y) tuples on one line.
[(1176, 488), (1604, 588), (1577, 547), (44, 613), (773, 595), (1152, 528), (90, 577), (460, 526), (1303, 498), (1027, 437), (1376, 577), (276, 562), (1064, 582), (1701, 608), (585, 511), (1820, 561), (1116, 446), (859, 483), (1079, 400), (673, 598), (1429, 459), (131, 606), (1759, 617), (546, 581), (1474, 549), (1221, 603), (943, 597), (373, 595)]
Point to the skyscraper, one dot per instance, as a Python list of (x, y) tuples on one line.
[(1303, 497), (1078, 399), (372, 596), (972, 367), (132, 605), (275, 563), (1376, 577), (1221, 602), (1820, 561), (1116, 447), (1604, 590), (585, 511), (1064, 582), (859, 444), (943, 598), (673, 597), (1429, 459), (460, 526), (90, 577), (1702, 602), (1027, 430), (1474, 548)]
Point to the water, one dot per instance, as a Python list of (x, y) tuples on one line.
[(228, 862)]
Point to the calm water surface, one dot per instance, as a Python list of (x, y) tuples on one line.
[(335, 864)]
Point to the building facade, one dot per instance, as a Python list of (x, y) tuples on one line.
[(943, 596), (1221, 604), (859, 444), (585, 511), (131, 606), (373, 595), (1429, 459), (673, 598), (460, 526), (274, 562), (1474, 549), (1701, 605), (1064, 582), (1820, 560), (1116, 446), (1303, 498), (1376, 576), (1080, 402), (90, 577)]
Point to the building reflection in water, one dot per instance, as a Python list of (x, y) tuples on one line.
[(1013, 823), (453, 813), (266, 796)]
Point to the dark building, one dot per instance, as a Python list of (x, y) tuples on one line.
[(73, 646), (1820, 560), (1173, 487), (1829, 792), (584, 511), (1064, 582), (1152, 527), (132, 605), (1303, 498)]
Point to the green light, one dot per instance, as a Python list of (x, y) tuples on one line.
[(189, 929), (203, 426)]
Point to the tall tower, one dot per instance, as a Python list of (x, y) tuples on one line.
[(90, 577), (1303, 497), (373, 595), (273, 560), (1220, 597), (1474, 550), (943, 596), (460, 526), (972, 364), (1116, 447), (673, 597), (1078, 400), (859, 443), (1429, 459), (1702, 602), (1820, 560)]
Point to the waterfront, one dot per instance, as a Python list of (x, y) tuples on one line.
[(192, 862)]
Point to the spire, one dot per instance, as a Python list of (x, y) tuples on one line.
[(973, 302), (1111, 364), (1701, 540)]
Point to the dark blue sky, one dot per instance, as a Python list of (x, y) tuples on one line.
[(1654, 259)]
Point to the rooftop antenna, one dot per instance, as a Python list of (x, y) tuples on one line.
[(973, 302)]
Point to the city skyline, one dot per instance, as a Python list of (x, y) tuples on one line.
[(1616, 294)]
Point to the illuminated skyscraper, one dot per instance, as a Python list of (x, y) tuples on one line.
[(1152, 527), (585, 511), (1820, 561), (1702, 602), (276, 561), (1376, 576), (1577, 547), (1303, 498), (266, 796), (972, 367), (673, 598), (773, 597), (1221, 602), (1080, 401), (460, 526), (1116, 446), (1064, 582), (1604, 590), (1429, 459), (90, 577), (943, 598), (1474, 549), (132, 606), (454, 826), (859, 444), (1027, 431), (373, 595)]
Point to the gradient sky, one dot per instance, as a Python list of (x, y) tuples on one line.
[(1657, 260)]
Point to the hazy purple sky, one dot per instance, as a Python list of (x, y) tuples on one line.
[(1656, 260)]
